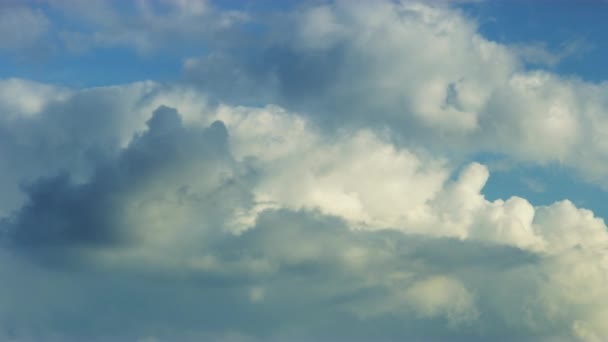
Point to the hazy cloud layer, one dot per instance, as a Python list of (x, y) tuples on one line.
[(146, 26), (22, 29), (315, 186)]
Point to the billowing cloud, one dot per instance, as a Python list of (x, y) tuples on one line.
[(424, 73), (241, 218), (319, 184)]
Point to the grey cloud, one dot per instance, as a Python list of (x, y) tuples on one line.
[(45, 129), (135, 227), (22, 29), (313, 289), (147, 26), (60, 213), (36, 30)]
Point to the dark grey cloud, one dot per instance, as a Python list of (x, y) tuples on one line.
[(310, 290), (46, 129), (61, 213)]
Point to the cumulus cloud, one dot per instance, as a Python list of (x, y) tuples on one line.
[(45, 129), (317, 185), (423, 72), (60, 213), (201, 214)]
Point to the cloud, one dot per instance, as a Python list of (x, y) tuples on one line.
[(534, 184), (538, 53), (317, 185), (61, 214), (423, 69), (60, 28), (22, 29), (45, 129), (375, 58), (26, 98), (146, 26), (185, 234), (424, 73)]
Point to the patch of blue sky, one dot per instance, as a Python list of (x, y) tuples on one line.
[(98, 67), (541, 185), (573, 31)]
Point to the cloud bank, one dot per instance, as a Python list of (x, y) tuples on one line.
[(318, 187)]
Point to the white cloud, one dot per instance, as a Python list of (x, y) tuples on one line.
[(450, 264), (539, 53), (443, 296), (424, 73), (339, 207), (25, 98)]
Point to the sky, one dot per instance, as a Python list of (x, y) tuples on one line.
[(187, 170)]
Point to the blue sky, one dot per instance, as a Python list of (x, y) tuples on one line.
[(290, 170), (556, 25)]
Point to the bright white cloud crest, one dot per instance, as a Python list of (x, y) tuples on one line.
[(277, 221)]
